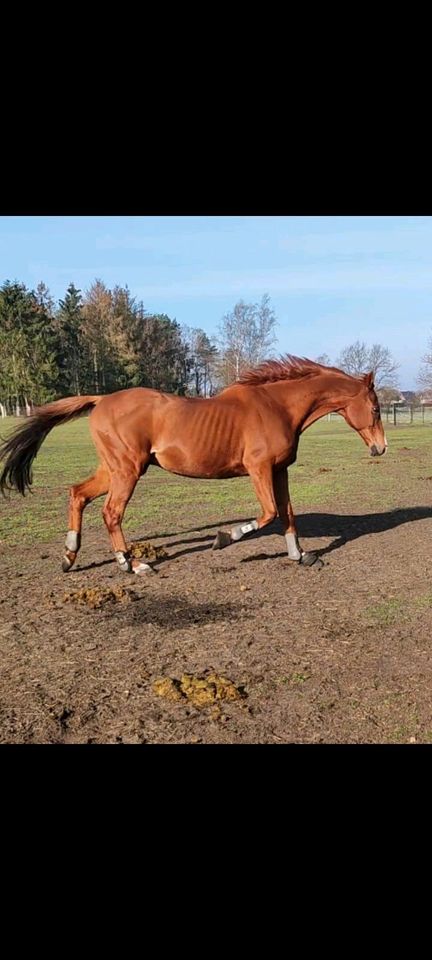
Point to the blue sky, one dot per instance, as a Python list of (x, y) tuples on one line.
[(331, 280)]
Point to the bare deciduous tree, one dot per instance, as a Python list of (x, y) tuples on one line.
[(246, 335), (358, 358), (425, 373)]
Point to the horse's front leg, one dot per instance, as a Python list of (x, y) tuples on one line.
[(262, 480), (286, 514)]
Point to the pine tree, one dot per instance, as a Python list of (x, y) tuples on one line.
[(72, 361)]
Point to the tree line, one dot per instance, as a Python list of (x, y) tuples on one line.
[(104, 340)]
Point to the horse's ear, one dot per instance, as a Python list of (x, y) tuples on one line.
[(369, 380)]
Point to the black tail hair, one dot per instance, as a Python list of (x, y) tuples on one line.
[(20, 448)]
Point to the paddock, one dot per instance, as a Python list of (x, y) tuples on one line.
[(339, 654)]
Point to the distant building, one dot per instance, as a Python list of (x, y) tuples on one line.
[(408, 396), (401, 397), (426, 397)]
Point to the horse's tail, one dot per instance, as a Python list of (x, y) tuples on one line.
[(20, 448)]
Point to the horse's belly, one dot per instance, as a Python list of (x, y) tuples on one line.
[(185, 466)]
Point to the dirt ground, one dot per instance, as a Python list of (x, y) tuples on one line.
[(340, 654)]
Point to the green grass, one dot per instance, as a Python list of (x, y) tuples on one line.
[(333, 470), (387, 612), (398, 609)]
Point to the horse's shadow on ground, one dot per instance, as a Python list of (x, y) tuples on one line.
[(342, 527)]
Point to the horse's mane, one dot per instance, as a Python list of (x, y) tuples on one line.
[(288, 367)]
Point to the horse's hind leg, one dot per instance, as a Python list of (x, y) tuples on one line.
[(120, 491), (80, 495)]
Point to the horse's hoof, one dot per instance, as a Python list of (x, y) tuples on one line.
[(142, 569), (311, 559), (66, 564), (222, 540)]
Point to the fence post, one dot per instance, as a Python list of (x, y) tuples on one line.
[(412, 413), (394, 414)]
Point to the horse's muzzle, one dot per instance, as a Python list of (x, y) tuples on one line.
[(377, 450)]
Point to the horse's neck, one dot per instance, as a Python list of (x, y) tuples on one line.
[(310, 399)]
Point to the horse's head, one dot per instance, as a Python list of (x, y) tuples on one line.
[(363, 414)]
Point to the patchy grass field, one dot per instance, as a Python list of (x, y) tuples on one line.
[(333, 467), (342, 654)]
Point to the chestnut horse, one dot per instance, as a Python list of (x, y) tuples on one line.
[(251, 428)]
